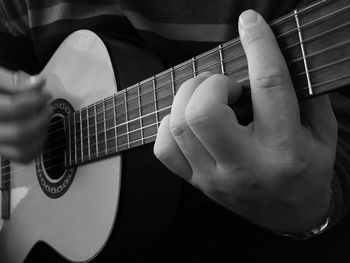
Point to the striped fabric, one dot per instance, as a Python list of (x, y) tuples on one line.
[(185, 27)]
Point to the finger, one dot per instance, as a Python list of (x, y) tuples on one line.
[(214, 122), (22, 105), (317, 114), (169, 153), (20, 132), (15, 81), (194, 152), (23, 154), (275, 106)]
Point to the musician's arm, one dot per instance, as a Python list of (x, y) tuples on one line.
[(24, 112)]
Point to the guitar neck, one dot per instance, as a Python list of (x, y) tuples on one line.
[(315, 42)]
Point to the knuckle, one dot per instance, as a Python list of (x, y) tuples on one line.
[(177, 126), (270, 78), (289, 164), (198, 114)]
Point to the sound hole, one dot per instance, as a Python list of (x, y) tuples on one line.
[(54, 149)]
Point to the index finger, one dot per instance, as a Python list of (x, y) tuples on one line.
[(275, 105), (214, 122)]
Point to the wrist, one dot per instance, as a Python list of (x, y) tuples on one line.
[(313, 227)]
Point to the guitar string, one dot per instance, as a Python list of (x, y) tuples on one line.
[(120, 146), (14, 177), (138, 121), (237, 41), (104, 153), (141, 117), (217, 64), (152, 113), (167, 84), (114, 117), (225, 60), (160, 87)]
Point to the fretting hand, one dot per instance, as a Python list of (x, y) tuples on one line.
[(277, 171), (24, 115)]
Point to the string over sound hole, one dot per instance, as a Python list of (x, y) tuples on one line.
[(54, 149), (53, 175)]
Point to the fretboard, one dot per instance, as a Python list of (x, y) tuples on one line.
[(315, 41)]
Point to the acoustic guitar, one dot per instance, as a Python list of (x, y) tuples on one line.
[(68, 197)]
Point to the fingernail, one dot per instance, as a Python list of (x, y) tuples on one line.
[(248, 18)]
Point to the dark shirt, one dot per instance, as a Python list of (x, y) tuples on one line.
[(202, 231)]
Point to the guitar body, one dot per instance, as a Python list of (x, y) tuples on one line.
[(77, 223)]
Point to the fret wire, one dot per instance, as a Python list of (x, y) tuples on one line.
[(333, 63), (312, 38), (323, 83), (319, 52), (140, 113), (172, 81), (329, 81), (302, 10), (75, 140), (155, 97), (295, 60), (221, 60), (138, 129), (126, 118), (66, 151), (235, 41), (172, 69), (144, 116), (194, 66), (171, 72), (96, 138), (81, 134), (229, 72), (241, 80), (320, 19), (145, 138), (115, 121), (311, 92), (104, 125), (88, 132), (136, 140)]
